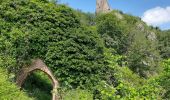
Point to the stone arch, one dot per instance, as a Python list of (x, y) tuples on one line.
[(38, 64)]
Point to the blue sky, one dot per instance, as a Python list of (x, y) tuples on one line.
[(157, 10)]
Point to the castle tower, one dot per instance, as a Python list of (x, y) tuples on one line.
[(102, 6)]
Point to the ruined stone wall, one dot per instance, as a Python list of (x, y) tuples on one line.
[(102, 6), (38, 64)]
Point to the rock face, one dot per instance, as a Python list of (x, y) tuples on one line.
[(38, 64), (102, 6)]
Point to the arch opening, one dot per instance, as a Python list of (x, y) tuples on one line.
[(38, 64), (38, 85)]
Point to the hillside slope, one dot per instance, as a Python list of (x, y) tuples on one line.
[(111, 56)]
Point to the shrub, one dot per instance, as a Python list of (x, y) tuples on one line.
[(77, 59), (8, 90), (126, 85), (77, 94), (164, 80)]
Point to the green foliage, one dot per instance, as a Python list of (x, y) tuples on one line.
[(164, 80), (127, 85), (86, 18), (39, 29), (111, 29), (27, 26), (77, 59), (142, 56), (53, 1), (8, 90), (27, 34), (130, 37), (77, 94), (39, 86), (88, 60), (164, 43)]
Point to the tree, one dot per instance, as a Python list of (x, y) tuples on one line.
[(142, 56), (53, 1), (111, 29), (164, 43), (77, 59)]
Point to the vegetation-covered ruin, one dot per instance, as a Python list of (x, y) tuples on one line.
[(109, 56)]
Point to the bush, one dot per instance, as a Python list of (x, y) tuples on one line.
[(164, 43), (126, 85), (8, 90), (111, 30), (77, 94), (164, 80), (77, 59)]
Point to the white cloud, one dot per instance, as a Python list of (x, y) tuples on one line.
[(157, 16)]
